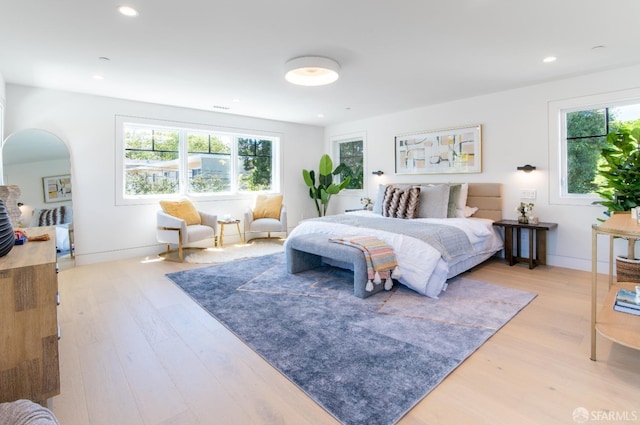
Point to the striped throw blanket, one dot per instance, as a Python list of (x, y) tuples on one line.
[(380, 259)]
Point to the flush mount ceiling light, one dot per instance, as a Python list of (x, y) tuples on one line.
[(312, 71), (127, 10)]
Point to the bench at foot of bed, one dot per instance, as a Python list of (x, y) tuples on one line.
[(306, 252)]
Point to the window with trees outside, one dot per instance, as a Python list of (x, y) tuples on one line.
[(586, 134), (583, 134), (162, 160), (350, 151)]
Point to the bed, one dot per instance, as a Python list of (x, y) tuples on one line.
[(467, 212), (62, 218)]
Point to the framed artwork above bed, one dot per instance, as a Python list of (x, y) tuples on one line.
[(57, 188), (451, 150)]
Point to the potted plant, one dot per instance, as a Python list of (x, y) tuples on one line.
[(325, 188), (618, 176), (618, 180)]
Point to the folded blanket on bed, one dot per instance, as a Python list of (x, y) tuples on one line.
[(448, 240), (380, 259)]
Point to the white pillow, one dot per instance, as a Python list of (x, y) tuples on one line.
[(466, 212), (462, 196), (434, 201), (377, 203)]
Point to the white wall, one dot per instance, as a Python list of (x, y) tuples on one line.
[(514, 132), (104, 231)]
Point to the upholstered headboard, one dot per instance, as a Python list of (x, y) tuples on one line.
[(487, 197)]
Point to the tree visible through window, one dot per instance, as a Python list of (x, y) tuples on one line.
[(151, 158), (586, 133), (351, 153), (254, 164), (155, 158), (209, 162)]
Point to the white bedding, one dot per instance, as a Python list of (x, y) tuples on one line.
[(423, 268), (62, 237)]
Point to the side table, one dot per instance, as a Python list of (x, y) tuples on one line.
[(222, 223), (621, 328), (536, 231)]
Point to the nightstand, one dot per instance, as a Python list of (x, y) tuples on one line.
[(537, 232)]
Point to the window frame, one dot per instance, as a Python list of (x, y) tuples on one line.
[(122, 120), (336, 141), (558, 166)]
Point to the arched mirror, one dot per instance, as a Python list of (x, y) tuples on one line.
[(38, 162)]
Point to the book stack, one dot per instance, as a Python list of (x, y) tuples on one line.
[(627, 302)]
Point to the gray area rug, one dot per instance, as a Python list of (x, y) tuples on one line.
[(364, 361)]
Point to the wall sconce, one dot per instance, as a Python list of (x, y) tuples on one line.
[(527, 168), (378, 173)]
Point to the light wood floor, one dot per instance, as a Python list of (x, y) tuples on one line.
[(136, 350)]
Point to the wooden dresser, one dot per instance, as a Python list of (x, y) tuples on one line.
[(29, 321)]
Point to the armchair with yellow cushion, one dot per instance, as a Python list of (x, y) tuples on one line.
[(268, 215), (180, 223)]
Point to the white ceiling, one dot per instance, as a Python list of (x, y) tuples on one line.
[(394, 55)]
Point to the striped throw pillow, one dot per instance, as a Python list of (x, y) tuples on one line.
[(399, 203)]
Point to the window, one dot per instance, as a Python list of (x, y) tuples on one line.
[(349, 150), (581, 132), (159, 159), (586, 133)]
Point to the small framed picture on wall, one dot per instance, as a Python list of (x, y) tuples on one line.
[(57, 188)]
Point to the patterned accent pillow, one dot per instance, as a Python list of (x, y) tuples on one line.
[(52, 217), (399, 203)]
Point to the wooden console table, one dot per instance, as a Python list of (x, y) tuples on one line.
[(537, 232), (621, 328)]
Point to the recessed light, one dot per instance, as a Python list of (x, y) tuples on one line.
[(598, 47), (127, 11), (549, 59), (320, 115), (223, 107), (236, 100), (98, 77), (104, 59)]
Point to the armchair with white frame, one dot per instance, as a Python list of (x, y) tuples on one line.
[(268, 215), (184, 227)]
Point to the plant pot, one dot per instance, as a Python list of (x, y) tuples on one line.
[(627, 270)]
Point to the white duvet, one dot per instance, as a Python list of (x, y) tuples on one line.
[(423, 268)]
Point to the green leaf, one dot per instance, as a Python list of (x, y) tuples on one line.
[(325, 165), (333, 189), (342, 168), (308, 177), (345, 182), (324, 197)]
